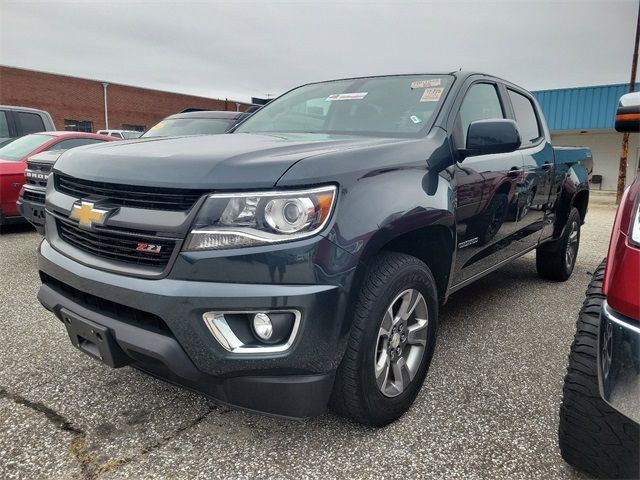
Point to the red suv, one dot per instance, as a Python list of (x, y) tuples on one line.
[(13, 161), (600, 408)]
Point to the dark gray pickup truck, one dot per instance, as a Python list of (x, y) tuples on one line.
[(300, 261)]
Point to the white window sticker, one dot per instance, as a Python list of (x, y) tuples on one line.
[(346, 96), (415, 119), (433, 82), (432, 94)]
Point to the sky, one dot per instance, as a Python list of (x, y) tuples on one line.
[(238, 49)]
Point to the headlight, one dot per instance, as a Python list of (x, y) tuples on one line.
[(257, 218)]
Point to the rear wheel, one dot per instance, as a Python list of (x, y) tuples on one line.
[(556, 260), (593, 436), (391, 342)]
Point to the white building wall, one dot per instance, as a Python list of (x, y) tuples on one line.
[(605, 146)]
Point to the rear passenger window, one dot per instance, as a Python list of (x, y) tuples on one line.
[(525, 118), (30, 122), (480, 103)]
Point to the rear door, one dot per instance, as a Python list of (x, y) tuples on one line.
[(484, 187), (533, 189)]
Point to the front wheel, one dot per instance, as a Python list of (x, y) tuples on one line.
[(391, 342), (592, 435)]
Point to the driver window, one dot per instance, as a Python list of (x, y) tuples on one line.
[(480, 103)]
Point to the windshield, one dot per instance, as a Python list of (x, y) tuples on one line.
[(23, 146), (174, 127), (394, 106)]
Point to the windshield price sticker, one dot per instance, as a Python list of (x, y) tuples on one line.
[(432, 94), (346, 96), (434, 82)]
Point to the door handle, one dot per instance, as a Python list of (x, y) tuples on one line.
[(515, 172)]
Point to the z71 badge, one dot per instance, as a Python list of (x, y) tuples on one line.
[(148, 247)]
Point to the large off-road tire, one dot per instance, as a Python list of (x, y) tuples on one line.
[(555, 260), (594, 437), (388, 355)]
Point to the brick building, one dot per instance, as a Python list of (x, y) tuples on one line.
[(79, 104)]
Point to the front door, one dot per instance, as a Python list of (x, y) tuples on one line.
[(485, 187)]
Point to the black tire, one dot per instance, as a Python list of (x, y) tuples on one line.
[(356, 394), (594, 437), (551, 258)]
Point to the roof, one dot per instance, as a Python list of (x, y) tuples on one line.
[(108, 82), (116, 130), (581, 108), (208, 114), (22, 109)]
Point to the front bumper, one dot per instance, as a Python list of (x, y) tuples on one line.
[(619, 362), (293, 383), (33, 211)]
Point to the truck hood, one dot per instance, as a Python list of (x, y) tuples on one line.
[(239, 160), (48, 156)]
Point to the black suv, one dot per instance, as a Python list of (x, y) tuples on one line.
[(301, 260)]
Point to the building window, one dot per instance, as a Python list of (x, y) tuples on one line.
[(78, 125), (137, 128)]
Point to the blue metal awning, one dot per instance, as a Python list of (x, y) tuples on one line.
[(581, 108)]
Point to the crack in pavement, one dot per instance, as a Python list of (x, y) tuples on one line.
[(114, 463), (79, 436), (53, 416), (90, 465)]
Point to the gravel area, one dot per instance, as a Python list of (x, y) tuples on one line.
[(488, 409)]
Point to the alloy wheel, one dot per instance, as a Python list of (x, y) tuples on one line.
[(572, 245), (401, 344)]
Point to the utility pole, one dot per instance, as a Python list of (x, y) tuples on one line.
[(624, 153)]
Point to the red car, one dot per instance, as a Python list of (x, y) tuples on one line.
[(600, 412), (13, 161)]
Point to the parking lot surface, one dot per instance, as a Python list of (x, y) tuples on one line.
[(488, 409)]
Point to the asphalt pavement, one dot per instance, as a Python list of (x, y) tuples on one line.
[(488, 409)]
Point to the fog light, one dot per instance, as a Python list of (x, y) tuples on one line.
[(262, 326)]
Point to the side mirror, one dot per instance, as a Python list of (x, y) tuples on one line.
[(491, 136), (628, 114)]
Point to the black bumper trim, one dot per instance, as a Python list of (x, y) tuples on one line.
[(288, 396)]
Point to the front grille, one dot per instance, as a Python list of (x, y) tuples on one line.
[(37, 172), (42, 167), (34, 197), (123, 313), (174, 199), (115, 244)]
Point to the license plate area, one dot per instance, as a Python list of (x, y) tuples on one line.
[(94, 339)]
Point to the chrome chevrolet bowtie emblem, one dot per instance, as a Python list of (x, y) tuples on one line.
[(87, 214)]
